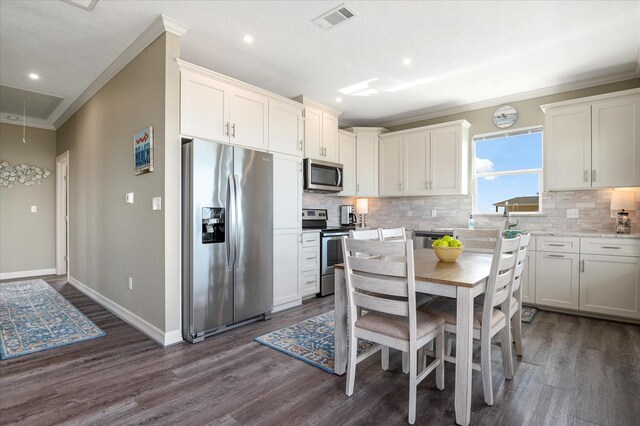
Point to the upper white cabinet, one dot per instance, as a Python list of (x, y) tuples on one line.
[(347, 148), (593, 142), (248, 119), (320, 130), (433, 160), (286, 128), (367, 163), (287, 191)]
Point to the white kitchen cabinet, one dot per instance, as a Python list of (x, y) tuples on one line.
[(287, 191), (287, 291), (367, 161), (320, 130), (391, 165), (286, 128), (528, 282), (434, 161), (204, 107), (348, 160), (593, 142), (557, 279), (310, 284), (248, 119), (610, 285)]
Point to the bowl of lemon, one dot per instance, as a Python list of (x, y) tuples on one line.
[(447, 248)]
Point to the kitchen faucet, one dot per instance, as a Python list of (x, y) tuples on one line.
[(508, 224)]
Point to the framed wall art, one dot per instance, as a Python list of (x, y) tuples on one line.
[(143, 151)]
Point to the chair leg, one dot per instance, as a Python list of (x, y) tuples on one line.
[(351, 363), (384, 357), (413, 384), (440, 355), (505, 344), (517, 331), (485, 356), (449, 337), (405, 362)]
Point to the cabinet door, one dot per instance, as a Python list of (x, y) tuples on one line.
[(616, 143), (367, 163), (330, 136), (528, 283), (248, 115), (348, 161), (204, 107), (313, 133), (567, 147), (391, 159), (610, 285), (417, 156), (286, 269), (287, 191), (286, 128), (557, 280), (446, 161)]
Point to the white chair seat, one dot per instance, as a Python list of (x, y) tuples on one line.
[(447, 309), (422, 299), (396, 326)]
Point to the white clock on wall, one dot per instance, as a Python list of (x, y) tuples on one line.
[(505, 116)]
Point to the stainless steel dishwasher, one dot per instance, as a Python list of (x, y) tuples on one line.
[(425, 239)]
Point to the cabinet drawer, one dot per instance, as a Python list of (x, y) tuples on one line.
[(610, 246), (311, 259), (558, 244), (310, 283), (310, 239)]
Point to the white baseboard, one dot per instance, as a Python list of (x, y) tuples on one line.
[(286, 305), (24, 274), (164, 339)]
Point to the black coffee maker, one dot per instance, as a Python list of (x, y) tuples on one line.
[(348, 215)]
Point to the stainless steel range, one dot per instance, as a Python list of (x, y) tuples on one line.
[(330, 246)]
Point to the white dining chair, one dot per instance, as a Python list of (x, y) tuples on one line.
[(516, 288), (392, 234), (383, 285), (477, 240), (487, 320)]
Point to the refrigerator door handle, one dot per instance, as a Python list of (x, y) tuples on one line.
[(236, 196), (230, 221)]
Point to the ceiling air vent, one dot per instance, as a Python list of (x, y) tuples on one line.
[(334, 17)]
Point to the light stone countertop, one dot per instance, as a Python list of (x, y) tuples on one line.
[(553, 233), (310, 230)]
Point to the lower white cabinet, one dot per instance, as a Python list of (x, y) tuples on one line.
[(528, 282), (310, 263), (286, 268), (610, 285), (557, 279)]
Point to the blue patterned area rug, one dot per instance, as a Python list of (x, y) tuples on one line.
[(528, 313), (35, 317), (310, 341)]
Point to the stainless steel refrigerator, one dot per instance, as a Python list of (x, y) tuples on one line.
[(227, 196)]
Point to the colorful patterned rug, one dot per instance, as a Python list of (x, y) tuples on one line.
[(35, 317), (528, 313), (310, 341)]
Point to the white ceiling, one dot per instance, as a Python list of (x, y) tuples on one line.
[(462, 52)]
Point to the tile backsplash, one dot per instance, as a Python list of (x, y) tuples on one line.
[(453, 211)]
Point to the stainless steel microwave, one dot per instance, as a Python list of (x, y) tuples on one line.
[(322, 176)]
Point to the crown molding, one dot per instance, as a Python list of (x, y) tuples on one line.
[(37, 125), (160, 25), (552, 90)]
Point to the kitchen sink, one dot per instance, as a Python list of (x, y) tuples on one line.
[(512, 233)]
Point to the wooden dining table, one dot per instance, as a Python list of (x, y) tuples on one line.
[(462, 280)]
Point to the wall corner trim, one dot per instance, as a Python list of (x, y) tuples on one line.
[(160, 337), (26, 274), (160, 25)]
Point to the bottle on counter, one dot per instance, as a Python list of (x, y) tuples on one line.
[(472, 222)]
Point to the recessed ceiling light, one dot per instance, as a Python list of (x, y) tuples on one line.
[(406, 61), (13, 117), (338, 100), (34, 76), (248, 38)]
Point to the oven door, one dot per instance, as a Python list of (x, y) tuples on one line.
[(322, 176), (330, 253)]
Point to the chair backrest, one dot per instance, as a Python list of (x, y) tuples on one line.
[(477, 240), (522, 256), (499, 283), (393, 234), (366, 235), (377, 282)]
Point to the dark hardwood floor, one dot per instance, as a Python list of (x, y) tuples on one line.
[(576, 371)]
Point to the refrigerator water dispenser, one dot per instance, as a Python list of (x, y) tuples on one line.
[(212, 225)]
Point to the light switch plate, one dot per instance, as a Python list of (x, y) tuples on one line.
[(434, 213), (128, 198), (34, 209), (573, 213), (156, 203)]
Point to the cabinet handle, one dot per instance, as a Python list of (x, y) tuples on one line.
[(311, 282), (556, 245), (556, 255), (325, 151), (233, 130), (226, 125), (309, 258), (611, 247), (300, 149), (586, 176), (300, 238), (582, 265), (593, 175), (358, 187)]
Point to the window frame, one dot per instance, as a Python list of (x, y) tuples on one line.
[(474, 176)]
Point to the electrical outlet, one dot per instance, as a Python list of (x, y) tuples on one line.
[(130, 283), (34, 209), (573, 213), (128, 198), (614, 214), (156, 203), (434, 213)]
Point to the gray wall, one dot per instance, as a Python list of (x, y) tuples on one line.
[(110, 240), (28, 239)]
